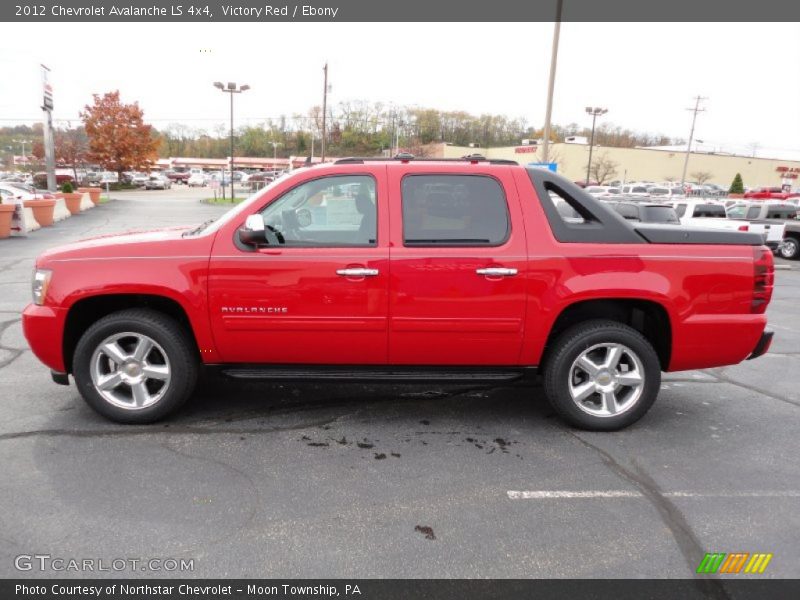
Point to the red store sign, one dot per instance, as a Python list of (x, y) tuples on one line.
[(524, 149)]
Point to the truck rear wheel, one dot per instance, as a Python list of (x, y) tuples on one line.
[(790, 248), (135, 366), (601, 375)]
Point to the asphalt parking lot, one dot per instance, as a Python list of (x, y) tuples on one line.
[(375, 481)]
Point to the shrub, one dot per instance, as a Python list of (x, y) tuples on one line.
[(737, 187), (67, 188)]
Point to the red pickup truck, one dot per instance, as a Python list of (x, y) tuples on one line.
[(403, 269)]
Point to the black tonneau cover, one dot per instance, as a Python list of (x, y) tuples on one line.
[(675, 234)]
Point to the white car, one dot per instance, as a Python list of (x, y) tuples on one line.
[(14, 194), (635, 191), (197, 179)]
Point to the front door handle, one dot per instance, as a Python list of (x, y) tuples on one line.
[(357, 272), (496, 272)]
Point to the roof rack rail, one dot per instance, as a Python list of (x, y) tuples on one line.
[(472, 158)]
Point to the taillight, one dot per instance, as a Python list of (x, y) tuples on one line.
[(763, 279), (744, 227)]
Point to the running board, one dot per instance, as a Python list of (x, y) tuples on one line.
[(366, 373)]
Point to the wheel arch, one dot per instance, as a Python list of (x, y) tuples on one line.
[(648, 317), (88, 310)]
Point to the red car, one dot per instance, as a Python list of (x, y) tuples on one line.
[(770, 193), (402, 269)]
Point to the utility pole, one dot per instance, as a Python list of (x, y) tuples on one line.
[(552, 82), (324, 110), (695, 110)]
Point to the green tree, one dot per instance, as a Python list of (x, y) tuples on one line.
[(737, 186)]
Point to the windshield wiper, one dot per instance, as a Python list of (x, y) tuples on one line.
[(199, 228)]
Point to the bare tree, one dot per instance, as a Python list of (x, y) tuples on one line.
[(603, 169), (701, 176)]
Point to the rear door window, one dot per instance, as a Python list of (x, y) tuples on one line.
[(454, 210)]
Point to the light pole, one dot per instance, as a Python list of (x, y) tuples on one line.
[(551, 82), (231, 89), (595, 111), (23, 142), (275, 152)]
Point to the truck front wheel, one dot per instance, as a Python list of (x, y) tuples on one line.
[(135, 366), (601, 375)]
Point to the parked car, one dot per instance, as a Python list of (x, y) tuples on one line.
[(778, 219), (15, 193), (635, 190), (770, 193), (646, 212), (139, 179), (177, 175), (197, 180), (157, 182), (712, 214), (485, 281), (29, 189)]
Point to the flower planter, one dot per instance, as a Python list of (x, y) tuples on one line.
[(42, 211), (73, 201), (735, 195), (94, 193), (6, 212), (59, 195)]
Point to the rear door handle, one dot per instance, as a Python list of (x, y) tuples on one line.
[(496, 272), (357, 272)]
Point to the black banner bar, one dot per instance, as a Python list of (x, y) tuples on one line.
[(397, 589), (255, 11)]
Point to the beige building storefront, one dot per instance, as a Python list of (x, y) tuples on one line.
[(640, 164)]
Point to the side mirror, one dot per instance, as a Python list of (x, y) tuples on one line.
[(252, 232)]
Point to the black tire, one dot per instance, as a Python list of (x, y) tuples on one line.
[(790, 248), (174, 340), (567, 349)]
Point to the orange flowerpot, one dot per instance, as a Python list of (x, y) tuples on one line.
[(59, 195), (94, 193), (6, 212), (73, 202), (42, 211), (735, 195)]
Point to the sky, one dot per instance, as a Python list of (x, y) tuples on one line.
[(645, 74)]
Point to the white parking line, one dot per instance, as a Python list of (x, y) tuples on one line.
[(551, 494)]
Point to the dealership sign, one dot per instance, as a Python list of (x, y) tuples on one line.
[(524, 149), (788, 172), (48, 92)]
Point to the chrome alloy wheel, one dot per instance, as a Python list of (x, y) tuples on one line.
[(130, 370), (606, 380), (788, 248)]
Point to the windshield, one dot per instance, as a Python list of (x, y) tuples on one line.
[(216, 224)]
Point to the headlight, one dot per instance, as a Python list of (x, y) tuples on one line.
[(41, 281)]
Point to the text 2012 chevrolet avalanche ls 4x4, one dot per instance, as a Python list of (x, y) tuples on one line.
[(403, 269)]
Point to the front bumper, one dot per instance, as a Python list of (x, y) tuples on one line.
[(43, 327), (764, 342)]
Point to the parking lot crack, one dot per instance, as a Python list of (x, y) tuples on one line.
[(689, 546), (721, 376)]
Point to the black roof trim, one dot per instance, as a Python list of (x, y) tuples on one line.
[(356, 160)]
